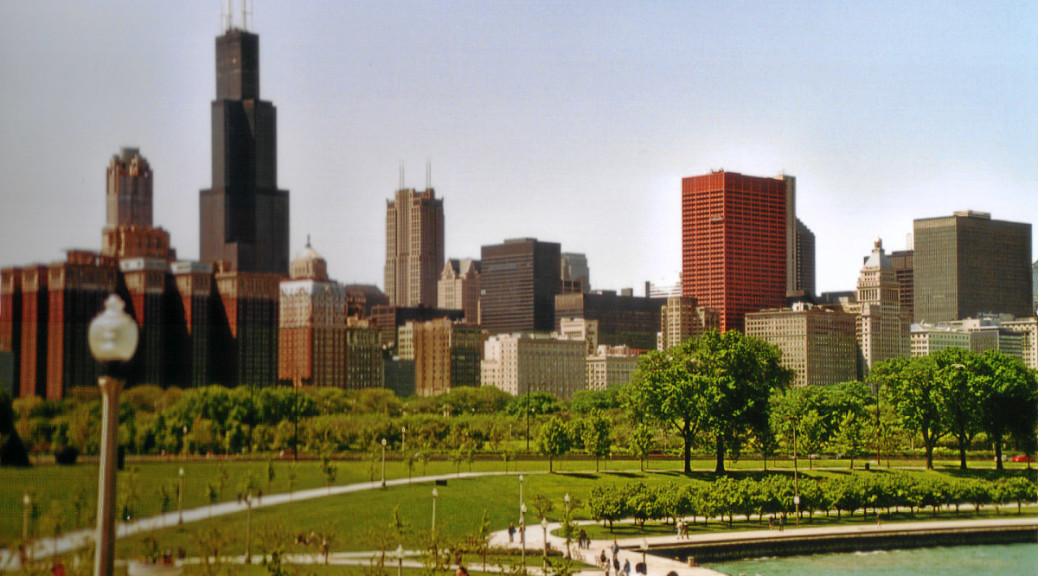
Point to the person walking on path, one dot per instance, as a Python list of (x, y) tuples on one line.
[(627, 567), (511, 533)]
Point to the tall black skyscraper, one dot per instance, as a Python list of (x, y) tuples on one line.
[(244, 217)]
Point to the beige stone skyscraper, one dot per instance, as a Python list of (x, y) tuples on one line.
[(882, 329), (414, 247)]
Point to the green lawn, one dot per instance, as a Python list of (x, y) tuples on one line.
[(69, 494)]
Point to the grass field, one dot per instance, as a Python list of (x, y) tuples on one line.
[(68, 495)]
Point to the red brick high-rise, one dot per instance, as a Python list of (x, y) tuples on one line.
[(737, 233)]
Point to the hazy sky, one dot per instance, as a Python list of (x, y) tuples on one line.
[(568, 121)]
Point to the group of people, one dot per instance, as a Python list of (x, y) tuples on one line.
[(614, 564)]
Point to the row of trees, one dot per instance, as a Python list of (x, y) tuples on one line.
[(774, 495), (719, 393), (726, 391), (958, 393)]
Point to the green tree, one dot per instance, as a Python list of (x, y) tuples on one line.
[(958, 395), (553, 440), (641, 441), (718, 385), (911, 386), (596, 435), (1009, 403)]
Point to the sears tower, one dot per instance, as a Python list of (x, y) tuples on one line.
[(244, 217)]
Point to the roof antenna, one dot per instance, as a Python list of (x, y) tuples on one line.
[(428, 173), (308, 240), (401, 175), (230, 16), (244, 14)]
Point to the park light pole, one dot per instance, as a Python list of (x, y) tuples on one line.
[(112, 337), (544, 526), (796, 477), (383, 462), (26, 513), (180, 496), (399, 560), (566, 529), (248, 528), (645, 550), (403, 439), (435, 494), (522, 532)]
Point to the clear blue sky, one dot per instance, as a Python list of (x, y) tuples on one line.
[(568, 121)]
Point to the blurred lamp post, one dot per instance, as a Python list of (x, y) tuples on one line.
[(435, 494), (26, 513), (248, 528), (112, 337), (645, 549), (566, 528), (544, 526), (522, 532), (180, 496), (403, 439), (399, 560), (383, 462)]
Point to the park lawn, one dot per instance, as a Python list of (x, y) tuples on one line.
[(67, 494), (360, 521)]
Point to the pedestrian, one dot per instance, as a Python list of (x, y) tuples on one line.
[(681, 527), (616, 566), (461, 571), (581, 538), (627, 567), (616, 549), (771, 522), (603, 561), (782, 523), (511, 533)]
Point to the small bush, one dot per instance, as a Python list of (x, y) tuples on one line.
[(66, 456)]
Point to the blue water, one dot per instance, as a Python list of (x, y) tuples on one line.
[(1003, 560)]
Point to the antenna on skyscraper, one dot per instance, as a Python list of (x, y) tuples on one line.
[(428, 173), (401, 175), (230, 16), (244, 14)]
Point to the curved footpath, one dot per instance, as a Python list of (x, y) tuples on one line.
[(630, 549)]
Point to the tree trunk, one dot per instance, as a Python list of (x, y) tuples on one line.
[(929, 455), (719, 466), (687, 449), (962, 453), (998, 454)]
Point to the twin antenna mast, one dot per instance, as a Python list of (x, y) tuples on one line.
[(428, 175), (227, 18)]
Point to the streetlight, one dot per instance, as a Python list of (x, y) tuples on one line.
[(796, 502), (383, 462), (399, 560), (435, 494), (26, 511), (796, 476), (544, 526), (645, 549), (566, 529), (522, 531), (248, 528), (403, 439), (112, 337), (180, 497)]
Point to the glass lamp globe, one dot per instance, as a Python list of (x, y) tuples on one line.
[(113, 333)]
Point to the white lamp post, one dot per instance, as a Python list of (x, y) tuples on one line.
[(399, 560), (383, 462), (435, 494), (180, 496), (566, 528), (403, 439), (112, 337), (26, 511), (522, 532), (544, 526)]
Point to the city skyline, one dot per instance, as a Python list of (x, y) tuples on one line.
[(538, 120)]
